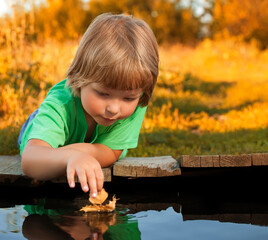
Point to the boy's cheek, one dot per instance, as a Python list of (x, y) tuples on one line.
[(129, 110), (92, 105), (94, 108)]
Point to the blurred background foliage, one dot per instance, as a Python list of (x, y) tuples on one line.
[(185, 21), (211, 95)]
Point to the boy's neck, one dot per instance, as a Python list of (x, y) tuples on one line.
[(91, 125)]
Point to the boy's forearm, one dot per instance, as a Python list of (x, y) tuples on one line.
[(43, 162)]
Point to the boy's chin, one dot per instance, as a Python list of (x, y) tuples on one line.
[(106, 122)]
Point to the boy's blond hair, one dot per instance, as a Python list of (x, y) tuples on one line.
[(118, 51)]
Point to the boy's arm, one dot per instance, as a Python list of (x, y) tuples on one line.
[(41, 161)]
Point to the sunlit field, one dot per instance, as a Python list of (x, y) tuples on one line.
[(211, 99)]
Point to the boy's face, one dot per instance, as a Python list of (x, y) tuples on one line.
[(106, 105)]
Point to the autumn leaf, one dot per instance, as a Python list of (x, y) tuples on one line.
[(97, 203)]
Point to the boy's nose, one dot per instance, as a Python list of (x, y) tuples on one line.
[(113, 108)]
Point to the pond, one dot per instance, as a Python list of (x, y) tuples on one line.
[(230, 204)]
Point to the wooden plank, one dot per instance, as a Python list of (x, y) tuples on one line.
[(236, 217), (259, 159), (146, 167), (189, 161), (210, 161), (8, 161), (260, 219), (10, 168), (149, 167), (243, 160), (197, 161), (138, 207), (107, 172), (14, 169), (191, 217)]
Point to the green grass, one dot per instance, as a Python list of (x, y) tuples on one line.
[(176, 143), (8, 141)]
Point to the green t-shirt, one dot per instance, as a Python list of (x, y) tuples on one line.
[(61, 121)]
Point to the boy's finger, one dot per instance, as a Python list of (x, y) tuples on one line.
[(91, 178), (70, 177), (83, 181), (95, 236), (99, 179)]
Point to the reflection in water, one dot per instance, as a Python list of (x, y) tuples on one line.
[(11, 219), (77, 225), (100, 222), (126, 228), (150, 224), (37, 222), (43, 227), (168, 224)]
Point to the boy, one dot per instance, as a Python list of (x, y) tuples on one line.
[(89, 120)]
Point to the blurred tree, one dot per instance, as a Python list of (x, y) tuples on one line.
[(249, 19), (60, 19), (168, 21), (68, 19)]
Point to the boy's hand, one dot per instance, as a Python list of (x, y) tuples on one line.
[(88, 171)]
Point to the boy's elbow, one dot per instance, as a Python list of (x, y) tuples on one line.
[(25, 165), (28, 169)]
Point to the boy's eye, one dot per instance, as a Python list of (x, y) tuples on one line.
[(130, 99), (103, 94)]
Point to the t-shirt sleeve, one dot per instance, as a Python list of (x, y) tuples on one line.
[(48, 125), (124, 134)]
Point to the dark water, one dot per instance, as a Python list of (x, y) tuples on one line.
[(202, 205)]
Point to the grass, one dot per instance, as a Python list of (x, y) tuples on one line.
[(180, 142)]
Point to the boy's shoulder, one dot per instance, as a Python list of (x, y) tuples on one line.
[(60, 94)]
